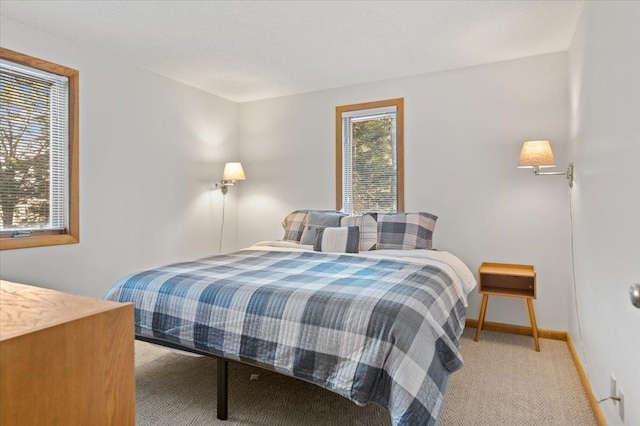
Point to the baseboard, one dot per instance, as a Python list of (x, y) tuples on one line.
[(517, 329), (555, 335), (597, 410)]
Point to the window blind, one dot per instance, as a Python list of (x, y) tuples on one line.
[(369, 161), (34, 139)]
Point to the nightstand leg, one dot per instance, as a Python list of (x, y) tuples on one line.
[(483, 310), (534, 326)]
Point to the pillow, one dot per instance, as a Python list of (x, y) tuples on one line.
[(316, 220), (343, 239), (406, 231), (368, 225), (293, 225)]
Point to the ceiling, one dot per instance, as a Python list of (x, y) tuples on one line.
[(247, 51)]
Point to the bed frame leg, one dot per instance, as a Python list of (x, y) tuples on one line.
[(223, 387)]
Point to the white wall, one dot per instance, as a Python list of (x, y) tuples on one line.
[(463, 134), (604, 74), (150, 149)]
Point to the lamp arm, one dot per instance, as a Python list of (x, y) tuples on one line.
[(550, 173), (568, 174), (224, 185)]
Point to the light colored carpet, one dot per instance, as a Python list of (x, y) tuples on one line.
[(504, 382)]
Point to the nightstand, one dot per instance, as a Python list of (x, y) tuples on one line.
[(503, 279)]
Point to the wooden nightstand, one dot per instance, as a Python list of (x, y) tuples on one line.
[(503, 279)]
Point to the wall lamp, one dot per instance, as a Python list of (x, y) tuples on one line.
[(538, 155), (232, 173)]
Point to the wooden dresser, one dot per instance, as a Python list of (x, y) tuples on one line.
[(64, 360)]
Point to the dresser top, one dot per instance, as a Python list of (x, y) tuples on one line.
[(25, 309)]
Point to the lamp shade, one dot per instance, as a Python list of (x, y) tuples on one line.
[(536, 153), (233, 171)]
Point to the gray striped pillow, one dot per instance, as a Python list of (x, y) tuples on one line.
[(368, 224), (343, 239)]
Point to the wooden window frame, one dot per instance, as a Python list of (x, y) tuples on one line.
[(72, 234), (399, 104)]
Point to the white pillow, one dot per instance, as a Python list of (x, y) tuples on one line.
[(343, 239)]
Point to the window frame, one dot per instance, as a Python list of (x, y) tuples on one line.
[(71, 235), (399, 104)]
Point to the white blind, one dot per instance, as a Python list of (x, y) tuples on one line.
[(369, 161), (34, 140)]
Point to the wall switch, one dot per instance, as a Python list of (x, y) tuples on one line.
[(613, 391), (621, 406)]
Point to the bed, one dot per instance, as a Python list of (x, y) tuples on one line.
[(379, 326)]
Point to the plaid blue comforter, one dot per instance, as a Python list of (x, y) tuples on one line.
[(371, 330)]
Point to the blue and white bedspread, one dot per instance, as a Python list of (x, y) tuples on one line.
[(375, 327)]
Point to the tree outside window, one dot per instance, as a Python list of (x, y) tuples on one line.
[(24, 151)]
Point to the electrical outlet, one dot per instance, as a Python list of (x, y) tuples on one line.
[(621, 406), (614, 388)]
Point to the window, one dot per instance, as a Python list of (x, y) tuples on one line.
[(38, 152), (369, 157)]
